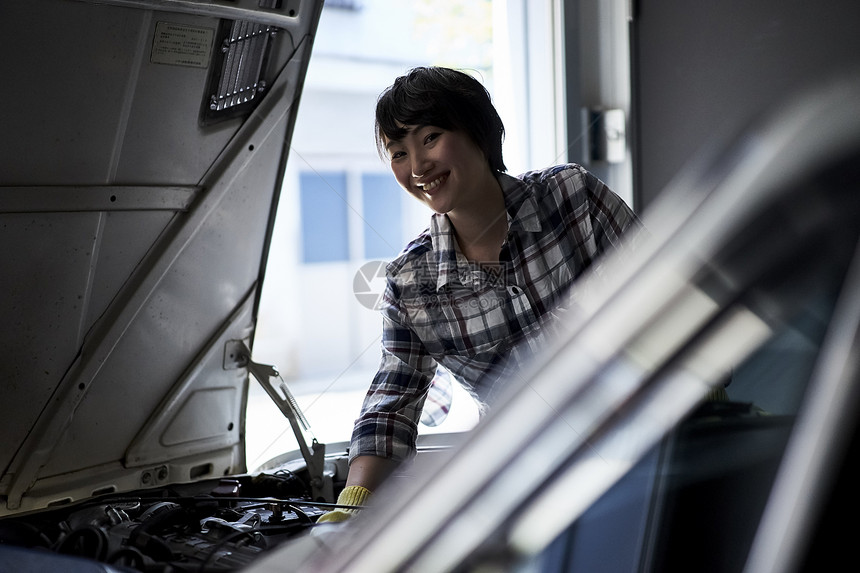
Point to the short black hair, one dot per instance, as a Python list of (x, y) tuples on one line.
[(442, 97)]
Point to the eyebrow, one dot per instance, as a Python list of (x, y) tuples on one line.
[(390, 143), (407, 129)]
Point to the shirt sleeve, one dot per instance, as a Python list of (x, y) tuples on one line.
[(595, 219), (388, 423), (600, 222), (612, 218)]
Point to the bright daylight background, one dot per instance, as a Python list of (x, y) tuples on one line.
[(341, 208)]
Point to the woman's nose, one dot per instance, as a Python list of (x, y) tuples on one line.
[(420, 165)]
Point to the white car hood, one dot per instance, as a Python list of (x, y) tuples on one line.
[(135, 223)]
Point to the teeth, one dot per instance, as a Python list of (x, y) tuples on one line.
[(431, 185)]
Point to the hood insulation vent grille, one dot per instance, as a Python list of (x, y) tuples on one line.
[(237, 83)]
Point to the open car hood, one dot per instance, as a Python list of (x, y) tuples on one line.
[(143, 147)]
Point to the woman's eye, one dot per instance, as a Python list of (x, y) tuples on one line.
[(431, 137), (397, 155)]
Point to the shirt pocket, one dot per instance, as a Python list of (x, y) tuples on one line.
[(470, 323)]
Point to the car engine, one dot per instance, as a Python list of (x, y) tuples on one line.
[(207, 526)]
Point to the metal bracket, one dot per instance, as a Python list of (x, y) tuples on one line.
[(237, 355), (273, 14), (606, 135)]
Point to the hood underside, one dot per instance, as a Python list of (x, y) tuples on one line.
[(143, 147)]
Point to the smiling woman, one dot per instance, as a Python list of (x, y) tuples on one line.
[(449, 173), (310, 323), (443, 138), (538, 232)]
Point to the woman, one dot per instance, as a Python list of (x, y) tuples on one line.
[(474, 292)]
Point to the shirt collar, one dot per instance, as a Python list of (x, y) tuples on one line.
[(522, 214), (444, 249), (520, 203)]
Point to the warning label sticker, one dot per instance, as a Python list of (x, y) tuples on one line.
[(181, 45)]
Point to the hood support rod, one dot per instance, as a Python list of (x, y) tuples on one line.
[(313, 452)]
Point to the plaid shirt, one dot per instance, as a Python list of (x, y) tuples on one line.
[(441, 309)]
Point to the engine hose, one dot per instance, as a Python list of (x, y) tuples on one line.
[(87, 541), (145, 537)]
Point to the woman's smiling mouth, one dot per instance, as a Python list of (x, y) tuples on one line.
[(427, 187)]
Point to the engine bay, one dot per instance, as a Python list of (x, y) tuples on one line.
[(219, 525)]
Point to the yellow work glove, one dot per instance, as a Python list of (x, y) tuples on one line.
[(717, 394), (351, 495)]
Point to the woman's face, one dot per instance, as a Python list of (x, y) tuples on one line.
[(441, 168)]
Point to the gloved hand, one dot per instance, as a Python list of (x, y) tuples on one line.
[(351, 495)]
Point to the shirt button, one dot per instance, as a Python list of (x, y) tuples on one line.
[(514, 290)]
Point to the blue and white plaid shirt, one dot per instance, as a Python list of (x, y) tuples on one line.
[(441, 309)]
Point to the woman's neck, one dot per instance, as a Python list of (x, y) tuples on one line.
[(481, 227)]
